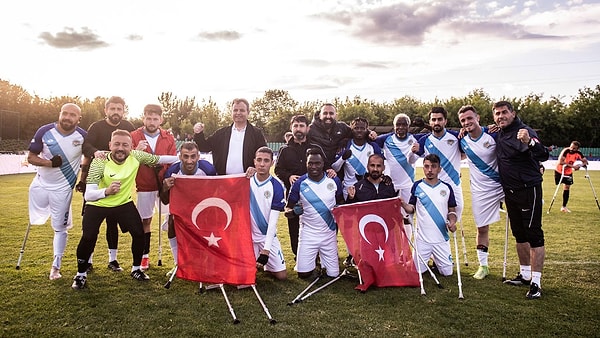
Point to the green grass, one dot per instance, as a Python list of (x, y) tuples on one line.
[(115, 305)]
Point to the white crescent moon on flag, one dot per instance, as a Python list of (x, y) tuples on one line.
[(368, 219), (212, 202)]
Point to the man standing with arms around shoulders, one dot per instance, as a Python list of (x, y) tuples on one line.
[(486, 191), (329, 133), (95, 144), (519, 152), (569, 159), (154, 140), (232, 147), (56, 150)]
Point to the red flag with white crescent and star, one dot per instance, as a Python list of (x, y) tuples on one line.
[(212, 223), (374, 233)]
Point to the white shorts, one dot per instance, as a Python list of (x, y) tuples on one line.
[(54, 204), (147, 201), (441, 254), (276, 262), (486, 206), (325, 244), (458, 195)]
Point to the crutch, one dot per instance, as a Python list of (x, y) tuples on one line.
[(505, 250), (460, 292), (345, 272), (587, 175), (160, 232), (174, 272), (426, 265), (464, 246), (271, 320), (297, 299), (23, 246), (562, 175), (235, 320)]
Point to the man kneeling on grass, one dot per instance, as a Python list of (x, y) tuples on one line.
[(108, 192)]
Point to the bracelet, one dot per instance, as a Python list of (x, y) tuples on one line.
[(453, 213)]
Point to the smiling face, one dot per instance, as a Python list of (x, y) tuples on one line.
[(189, 160), (328, 115), (314, 166), (375, 167), (120, 147), (239, 113), (401, 128), (69, 117), (469, 121), (503, 116)]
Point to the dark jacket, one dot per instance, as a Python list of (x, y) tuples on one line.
[(518, 163), (292, 161), (218, 143), (330, 140), (365, 191)]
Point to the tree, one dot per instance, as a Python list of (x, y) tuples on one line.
[(176, 111), (272, 113), (584, 113)]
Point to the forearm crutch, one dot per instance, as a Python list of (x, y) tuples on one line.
[(297, 299), (562, 175), (505, 250), (168, 284), (271, 320), (587, 175), (414, 246), (23, 246), (345, 272), (460, 292), (464, 246), (235, 320), (160, 233)]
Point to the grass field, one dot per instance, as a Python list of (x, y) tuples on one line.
[(114, 305)]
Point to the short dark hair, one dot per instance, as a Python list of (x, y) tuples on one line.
[(375, 155), (114, 99), (576, 143), (315, 151), (299, 119), (120, 132), (265, 150), (438, 110), (433, 158), (502, 104), (189, 145), (359, 119), (241, 100), (153, 109), (466, 108)]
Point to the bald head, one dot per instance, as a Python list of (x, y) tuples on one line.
[(69, 117)]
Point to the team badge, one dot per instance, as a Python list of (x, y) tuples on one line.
[(450, 142), (410, 142), (76, 143), (267, 194), (330, 186), (443, 193), (487, 144)]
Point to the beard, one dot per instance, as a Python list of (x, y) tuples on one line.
[(375, 175), (115, 119)]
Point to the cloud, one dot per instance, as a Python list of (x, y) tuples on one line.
[(134, 37), (499, 29), (70, 38), (314, 63), (220, 36), (375, 65)]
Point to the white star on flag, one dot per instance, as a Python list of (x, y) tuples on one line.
[(380, 251), (212, 240)]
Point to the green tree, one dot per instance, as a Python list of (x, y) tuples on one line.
[(272, 113), (176, 111), (584, 114)]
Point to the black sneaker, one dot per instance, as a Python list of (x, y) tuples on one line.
[(349, 261), (79, 282), (534, 292), (114, 266), (90, 268), (518, 281), (139, 275)]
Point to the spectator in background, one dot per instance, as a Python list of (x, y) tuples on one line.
[(569, 159)]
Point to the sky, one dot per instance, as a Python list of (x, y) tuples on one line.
[(314, 49)]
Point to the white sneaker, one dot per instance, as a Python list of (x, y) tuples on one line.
[(564, 209), (55, 273)]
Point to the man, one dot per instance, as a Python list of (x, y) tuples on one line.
[(291, 164), (433, 201), (189, 164), (232, 147), (56, 150), (312, 197), (267, 200), (486, 191), (328, 133), (519, 152), (444, 143), (569, 159), (371, 187), (154, 140), (355, 155), (400, 148), (108, 192), (95, 144)]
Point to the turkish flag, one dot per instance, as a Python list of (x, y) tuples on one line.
[(374, 233), (212, 223)]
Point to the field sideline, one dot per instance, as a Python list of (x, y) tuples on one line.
[(114, 305)]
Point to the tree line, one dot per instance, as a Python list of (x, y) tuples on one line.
[(557, 122)]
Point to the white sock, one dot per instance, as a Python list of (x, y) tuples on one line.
[(59, 243), (526, 272), (173, 244), (483, 257), (536, 277), (79, 274), (145, 256), (135, 267), (112, 255)]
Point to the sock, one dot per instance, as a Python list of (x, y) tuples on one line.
[(565, 197), (482, 255), (112, 255), (145, 256), (57, 261), (526, 272), (135, 267), (173, 244), (536, 277), (79, 274)]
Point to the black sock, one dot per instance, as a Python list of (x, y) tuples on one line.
[(565, 197)]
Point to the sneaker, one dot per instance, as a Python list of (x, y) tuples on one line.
[(349, 261), (55, 273), (90, 269), (114, 266), (79, 282), (145, 263), (564, 209), (534, 292), (481, 272), (517, 281), (139, 275)]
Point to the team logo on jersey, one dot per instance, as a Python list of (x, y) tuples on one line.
[(76, 143), (330, 186), (369, 153), (487, 144), (267, 194), (450, 142), (410, 142), (443, 193)]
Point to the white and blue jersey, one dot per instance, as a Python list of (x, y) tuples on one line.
[(317, 200), (265, 197), (49, 142), (483, 163), (355, 165), (205, 168), (431, 204), (400, 161)]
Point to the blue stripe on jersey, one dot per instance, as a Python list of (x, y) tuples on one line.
[(318, 205), (483, 167), (55, 149), (256, 213), (356, 164), (432, 210), (400, 157), (444, 162)]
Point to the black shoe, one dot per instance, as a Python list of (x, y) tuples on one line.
[(114, 266), (90, 269), (534, 292), (349, 261), (518, 281), (79, 282), (139, 275)]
